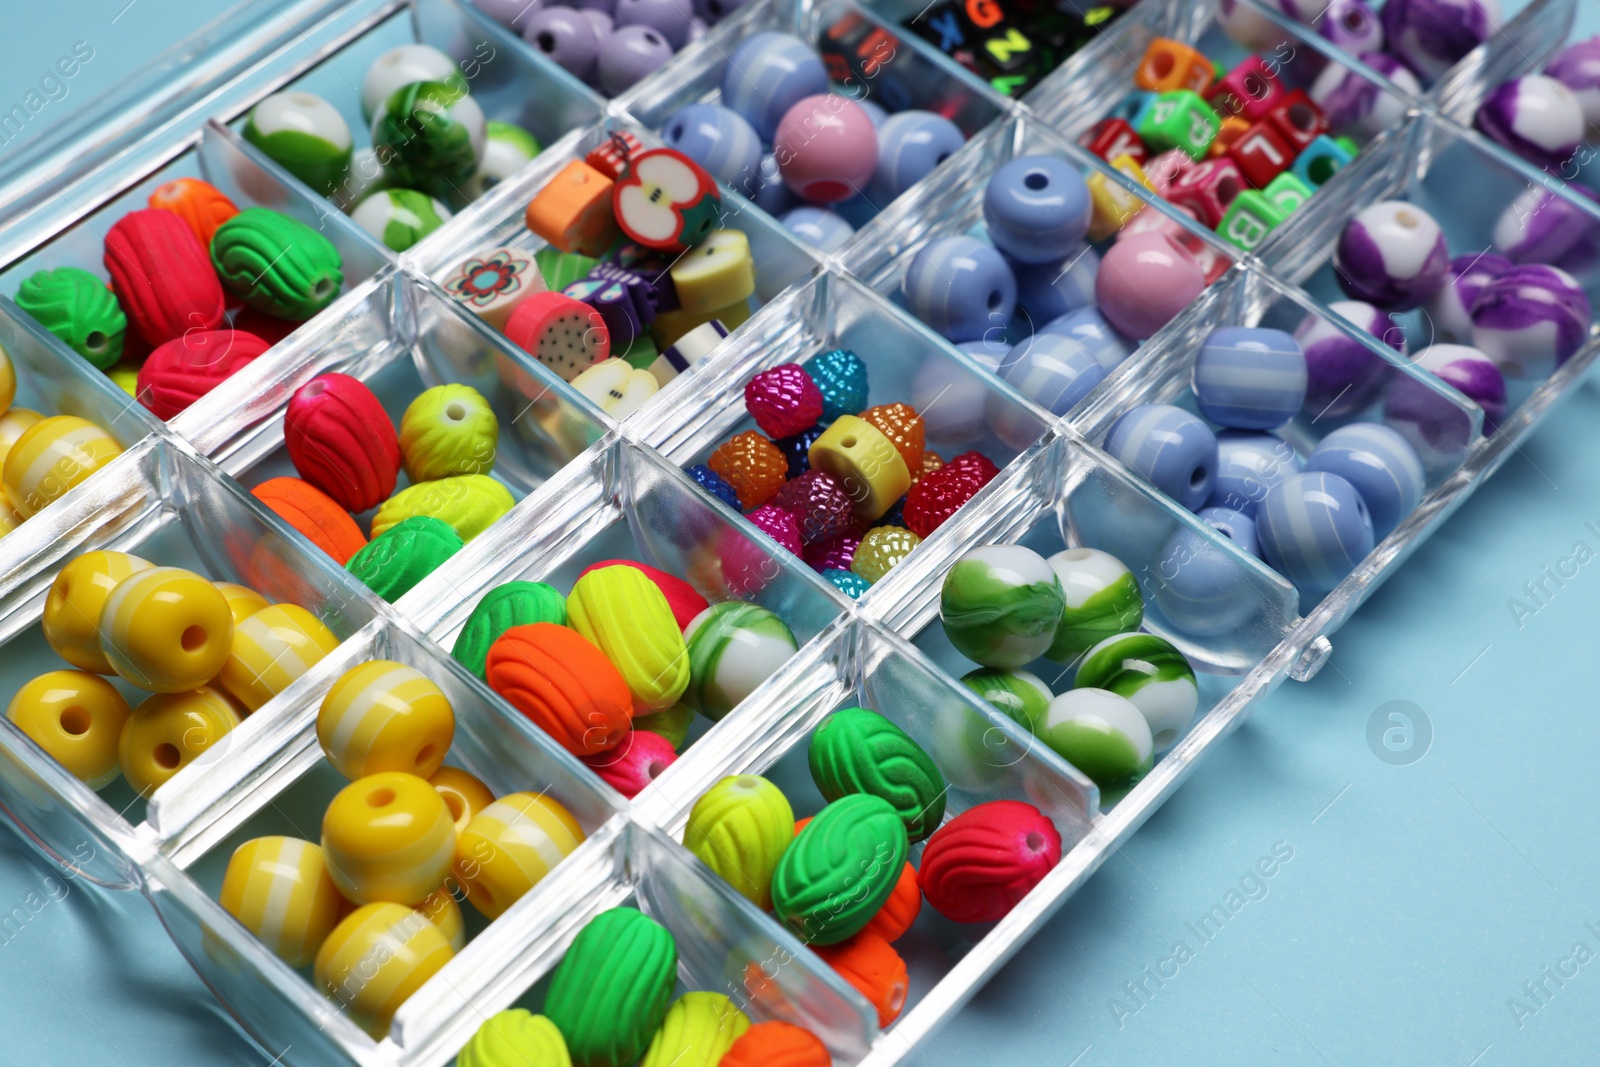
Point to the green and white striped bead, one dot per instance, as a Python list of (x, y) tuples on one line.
[(1001, 605), (1152, 674), (429, 135), (1018, 694), (399, 67), (733, 648), (506, 150), (399, 217), (305, 135), (1102, 600), (365, 177), (1098, 732)]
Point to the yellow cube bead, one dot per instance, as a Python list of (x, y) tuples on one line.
[(280, 889), (166, 629), (388, 837), (864, 462), (1130, 167), (243, 601), (270, 650), (75, 716), (510, 846), (442, 911), (385, 716), (377, 957), (1111, 206), (72, 608), (463, 794), (449, 429), (168, 731), (715, 273), (51, 457)]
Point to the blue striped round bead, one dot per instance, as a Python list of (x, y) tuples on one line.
[(818, 227), (1047, 291), (1250, 379), (1236, 526), (768, 190), (1248, 464), (769, 74), (1170, 447), (1382, 466), (1097, 335), (1314, 529), (961, 287), (1053, 371), (717, 138), (911, 144)]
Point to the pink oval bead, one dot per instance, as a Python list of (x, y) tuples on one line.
[(1144, 281), (980, 864), (633, 764), (778, 524), (186, 368), (826, 147), (341, 441)]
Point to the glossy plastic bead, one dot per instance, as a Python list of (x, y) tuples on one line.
[(1235, 526), (717, 138), (882, 549), (1540, 226), (610, 992), (1287, 193), (1392, 255), (715, 484), (753, 466), (1249, 378), (402, 66), (1530, 320), (671, 725), (377, 957), (78, 308), (1179, 119), (911, 145), (305, 135), (1102, 599), (1434, 426), (1343, 376), (429, 134), (628, 618), (1090, 329), (1250, 220), (1578, 68), (1019, 694), (841, 868), (510, 846), (75, 716), (314, 514), (1144, 281), (168, 731), (1000, 605), (1150, 673), (821, 508), (904, 428), (165, 629), (388, 837), (1207, 189), (628, 55), (1380, 464), (563, 684), (740, 828), (1054, 371), (72, 608), (666, 201), (1102, 734), (767, 75), (733, 647), (1262, 153), (385, 716), (842, 377), (186, 368), (849, 583), (1113, 137), (1431, 36), (1248, 464), (783, 400), (960, 287), (940, 493), (1355, 105), (463, 794), (52, 456), (202, 206), (1314, 528), (826, 148), (1168, 64), (1536, 117), (243, 601), (13, 422), (818, 227), (1171, 448), (859, 751), (399, 218), (276, 264), (340, 439), (864, 462), (280, 889), (777, 1044), (270, 650), (980, 864)]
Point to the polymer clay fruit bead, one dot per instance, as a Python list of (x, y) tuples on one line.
[(1001, 604), (900, 911), (186, 368), (616, 387), (280, 889), (564, 334), (697, 1031), (78, 308), (836, 875), (733, 647), (684, 600), (777, 1044), (666, 201), (980, 864), (71, 620), (168, 731), (573, 212), (627, 617), (505, 606), (859, 751), (243, 601), (162, 278), (166, 629), (276, 264), (403, 555), (399, 217), (340, 439), (389, 837), (563, 684), (739, 828), (876, 971), (1152, 674), (75, 716), (449, 429), (493, 284), (462, 793), (469, 503), (377, 957), (752, 465), (270, 650), (202, 206), (516, 1036), (305, 135), (1102, 600), (611, 990), (314, 514), (882, 549), (52, 456), (1099, 732), (429, 134), (509, 846), (385, 716), (640, 758), (717, 273)]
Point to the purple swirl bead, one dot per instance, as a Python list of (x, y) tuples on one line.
[(1536, 117), (1355, 105), (1392, 255), (1530, 320), (1449, 311), (1352, 25), (1578, 68), (1541, 226), (1436, 428), (1431, 36), (1344, 376)]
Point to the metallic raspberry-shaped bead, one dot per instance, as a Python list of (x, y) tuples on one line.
[(713, 483), (940, 494), (836, 554), (901, 424), (819, 503), (753, 466), (797, 447), (842, 379), (881, 551), (931, 461), (849, 583), (783, 400), (779, 525)]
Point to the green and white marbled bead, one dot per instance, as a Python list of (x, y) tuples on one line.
[(506, 150), (429, 135), (1020, 695), (1152, 674), (399, 217), (399, 67), (305, 135), (1098, 732), (1001, 605), (1102, 600), (365, 177), (733, 647)]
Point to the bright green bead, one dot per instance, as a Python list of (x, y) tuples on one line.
[(429, 135), (399, 217), (881, 550), (1151, 673), (1098, 732), (740, 828), (276, 264), (1249, 220), (505, 606), (1102, 600), (560, 269), (515, 1038), (506, 150), (446, 430), (78, 308), (733, 647), (1348, 144), (1179, 119), (1019, 694), (841, 868), (1287, 193), (404, 554), (672, 724), (611, 990), (305, 135), (860, 751), (1000, 605), (469, 503)]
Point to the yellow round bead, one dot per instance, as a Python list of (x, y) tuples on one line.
[(510, 846), (12, 423), (280, 889), (376, 958), (442, 911), (166, 629), (389, 837), (864, 462), (75, 716), (385, 716), (72, 608), (168, 731), (9, 519), (125, 376), (8, 381), (51, 457), (270, 650), (463, 794), (449, 429), (243, 601)]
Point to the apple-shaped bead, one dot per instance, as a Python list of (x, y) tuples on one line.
[(980, 864), (1392, 255), (666, 201), (340, 439), (1530, 320), (189, 366), (827, 148), (1538, 118)]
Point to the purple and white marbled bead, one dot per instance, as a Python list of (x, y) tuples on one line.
[(1353, 104), (1540, 226), (1578, 68), (1536, 117), (1530, 320), (1392, 255), (1431, 36), (1438, 429), (1352, 25), (1344, 376), (1449, 311)]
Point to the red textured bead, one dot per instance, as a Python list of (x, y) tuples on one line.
[(684, 599), (267, 327), (784, 400), (779, 525), (753, 465), (162, 276), (979, 865), (836, 554), (940, 494), (341, 441), (820, 505), (636, 762), (904, 428), (186, 368)]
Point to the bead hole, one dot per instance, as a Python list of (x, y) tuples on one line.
[(455, 412), (1406, 219), (315, 389), (1228, 189), (1035, 179), (193, 639), (653, 769), (848, 442), (424, 754), (994, 299), (1355, 20), (1034, 841), (1165, 738), (1198, 477), (456, 808), (75, 720), (546, 42), (1300, 118), (1162, 65), (166, 755), (323, 288), (95, 341), (380, 798), (652, 39), (676, 133)]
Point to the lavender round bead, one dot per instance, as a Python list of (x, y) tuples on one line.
[(1352, 25), (1047, 291), (1382, 466), (1054, 371), (1248, 464), (1171, 448), (1431, 36), (1314, 528), (629, 55), (1392, 255), (1436, 427), (667, 17), (1536, 117), (1249, 378), (717, 138), (1353, 104), (875, 113), (960, 287), (1540, 226), (767, 75), (1530, 320), (1037, 209), (1343, 375), (566, 38), (1199, 588), (714, 11), (1236, 526), (1578, 68), (600, 20), (818, 227), (510, 13), (1090, 328), (911, 144)]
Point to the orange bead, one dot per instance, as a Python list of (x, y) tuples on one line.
[(874, 968), (753, 465), (1170, 65), (315, 514), (777, 1044), (901, 909), (901, 424), (1233, 127), (931, 461), (573, 211), (201, 205)]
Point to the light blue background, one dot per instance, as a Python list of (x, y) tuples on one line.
[(1418, 901)]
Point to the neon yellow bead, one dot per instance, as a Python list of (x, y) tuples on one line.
[(376, 958), (515, 1038), (270, 650), (510, 846), (12, 423), (628, 618), (125, 376), (698, 1030), (442, 911), (280, 889), (463, 794), (72, 608), (8, 381), (715, 273), (166, 629), (168, 731), (243, 601), (449, 429), (385, 716), (470, 503), (740, 829), (75, 716), (864, 462), (388, 837), (51, 457), (1111, 207)]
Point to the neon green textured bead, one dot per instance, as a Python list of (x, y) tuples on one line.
[(446, 430), (698, 1030), (627, 617), (468, 503), (406, 553), (611, 990), (740, 828), (515, 1038)]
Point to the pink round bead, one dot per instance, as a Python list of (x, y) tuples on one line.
[(826, 147), (1144, 281), (779, 525), (783, 400), (836, 554), (635, 763)]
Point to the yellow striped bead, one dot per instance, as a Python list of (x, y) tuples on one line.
[(75, 716), (280, 889), (166, 629), (168, 731), (442, 911), (510, 846), (463, 794), (270, 650), (242, 600), (12, 423), (376, 958), (8, 381), (388, 837), (72, 608), (385, 716), (51, 457)]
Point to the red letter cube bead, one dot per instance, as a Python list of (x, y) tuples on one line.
[(1298, 120), (1208, 189), (1249, 90), (1164, 171), (1169, 65), (1262, 154), (1110, 138)]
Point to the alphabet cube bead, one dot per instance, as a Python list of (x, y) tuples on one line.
[(1111, 206), (1249, 90), (388, 837), (281, 890), (1233, 127), (1287, 193), (1262, 153), (1249, 221), (1113, 137), (1320, 160), (1209, 189), (1297, 120), (1179, 119), (510, 845), (385, 716), (1168, 65)]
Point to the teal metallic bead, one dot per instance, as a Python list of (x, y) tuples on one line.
[(1001, 605), (842, 377), (1022, 696), (1152, 674), (849, 583)]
